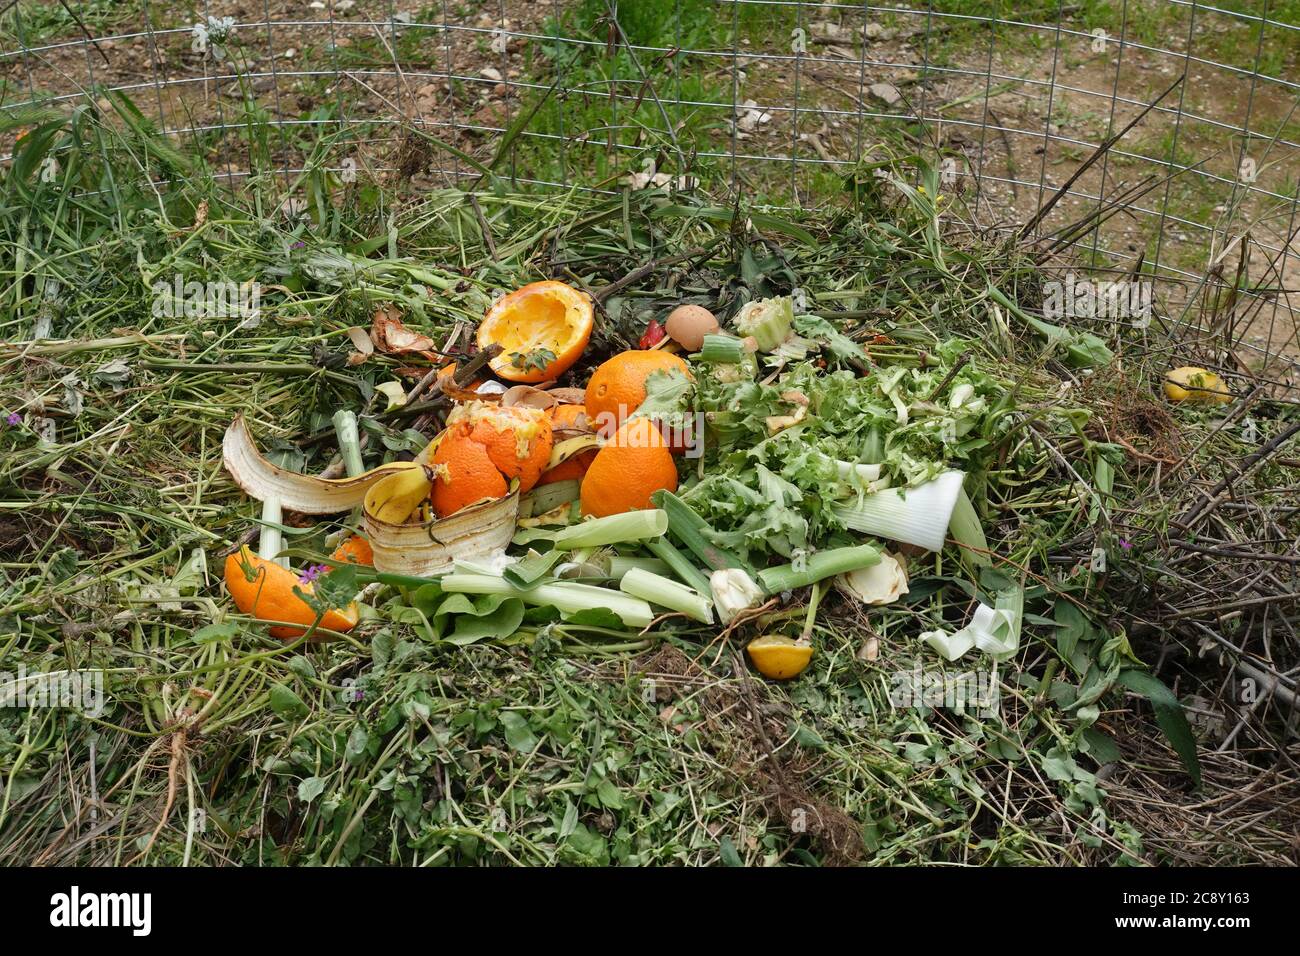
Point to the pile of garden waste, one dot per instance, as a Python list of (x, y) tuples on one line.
[(573, 528)]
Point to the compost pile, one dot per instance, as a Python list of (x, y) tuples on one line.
[(627, 529)]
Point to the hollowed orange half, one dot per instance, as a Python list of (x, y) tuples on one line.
[(541, 328)]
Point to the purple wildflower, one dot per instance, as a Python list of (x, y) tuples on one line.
[(300, 244), (311, 574), (13, 418), (1125, 543)]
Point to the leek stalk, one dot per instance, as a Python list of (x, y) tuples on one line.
[(667, 593), (822, 564)]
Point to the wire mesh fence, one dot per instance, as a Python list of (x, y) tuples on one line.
[(766, 101)]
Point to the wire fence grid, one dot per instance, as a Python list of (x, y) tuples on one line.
[(772, 100)]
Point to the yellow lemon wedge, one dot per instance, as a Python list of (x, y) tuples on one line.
[(1193, 384), (779, 658)]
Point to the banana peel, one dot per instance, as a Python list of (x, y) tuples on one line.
[(564, 450), (394, 498), (306, 494), (403, 536), (429, 547)]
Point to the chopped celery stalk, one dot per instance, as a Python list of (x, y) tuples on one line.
[(916, 516), (349, 438), (769, 321), (681, 566), (620, 565), (567, 597), (819, 565), (966, 530), (271, 539), (613, 529), (688, 528), (722, 350), (667, 593)]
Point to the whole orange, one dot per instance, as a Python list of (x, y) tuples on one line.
[(628, 470), (617, 387)]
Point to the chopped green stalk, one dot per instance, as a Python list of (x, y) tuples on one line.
[(271, 540), (349, 438), (667, 593), (964, 527), (916, 516), (688, 528), (768, 321), (722, 350), (620, 565), (613, 529), (822, 564), (810, 619), (567, 597), (681, 565)]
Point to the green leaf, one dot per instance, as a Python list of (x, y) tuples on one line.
[(216, 632), (528, 570), (310, 789), (596, 617), (609, 795), (463, 619), (301, 666), (805, 736), (1058, 765), (355, 749), (1169, 715), (1073, 626), (728, 854), (519, 735), (286, 704), (1100, 747)]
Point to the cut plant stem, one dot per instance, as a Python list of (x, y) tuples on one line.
[(271, 539), (349, 437), (916, 516), (667, 593), (689, 528), (612, 529), (811, 619), (681, 566), (821, 564), (722, 350), (620, 565), (565, 596)]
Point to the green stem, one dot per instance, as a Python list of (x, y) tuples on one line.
[(690, 575), (271, 540), (349, 437), (821, 565), (811, 618)]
